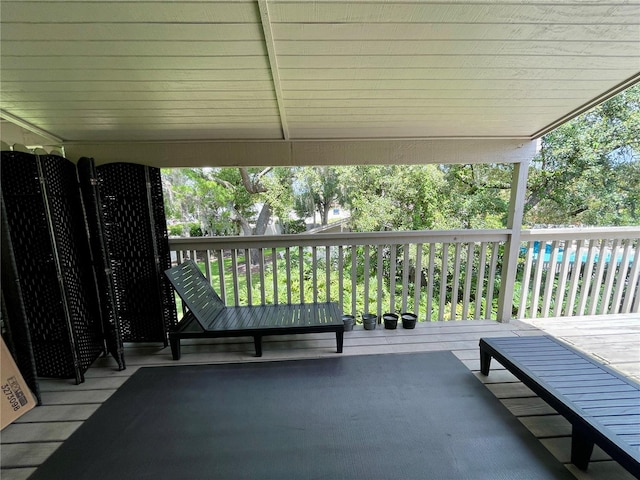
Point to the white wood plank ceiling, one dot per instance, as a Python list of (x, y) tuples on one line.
[(162, 70)]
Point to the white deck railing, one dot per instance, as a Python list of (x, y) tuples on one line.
[(439, 275), (575, 272), (404, 270)]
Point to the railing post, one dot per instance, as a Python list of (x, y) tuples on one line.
[(512, 246)]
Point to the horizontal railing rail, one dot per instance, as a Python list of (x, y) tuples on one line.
[(439, 275), (436, 274)]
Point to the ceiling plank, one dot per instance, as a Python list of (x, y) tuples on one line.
[(565, 74), (148, 121), (448, 12), (119, 95), (134, 31), (115, 48), (434, 93), (432, 103), (168, 134), (426, 85), (90, 75), (237, 11), (166, 62), (68, 107), (478, 60), (461, 47), (133, 86), (453, 31), (425, 131)]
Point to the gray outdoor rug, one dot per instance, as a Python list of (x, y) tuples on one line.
[(403, 416)]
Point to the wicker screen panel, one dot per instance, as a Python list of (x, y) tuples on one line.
[(27, 220), (53, 267), (22, 169), (127, 227), (84, 310), (162, 246), (60, 177), (92, 203), (15, 329), (76, 268), (129, 216), (122, 180), (137, 301)]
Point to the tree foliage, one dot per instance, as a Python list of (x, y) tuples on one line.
[(588, 170), (394, 197), (478, 195), (226, 201), (317, 190), (194, 195), (586, 173)]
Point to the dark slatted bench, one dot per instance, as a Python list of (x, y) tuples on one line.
[(602, 406), (208, 317)]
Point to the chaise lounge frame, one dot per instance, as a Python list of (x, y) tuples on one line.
[(209, 317)]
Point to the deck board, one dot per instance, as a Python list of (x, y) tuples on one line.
[(36, 434), (546, 426), (511, 390), (26, 454), (17, 473), (39, 432)]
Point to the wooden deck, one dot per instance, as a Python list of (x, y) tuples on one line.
[(615, 340)]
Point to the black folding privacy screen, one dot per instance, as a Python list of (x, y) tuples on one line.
[(78, 281)]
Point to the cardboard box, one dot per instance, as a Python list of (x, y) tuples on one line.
[(15, 397)]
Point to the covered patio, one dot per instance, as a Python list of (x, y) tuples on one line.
[(287, 83)]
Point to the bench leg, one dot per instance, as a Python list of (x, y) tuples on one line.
[(485, 362), (257, 341), (340, 340), (175, 347), (581, 448)]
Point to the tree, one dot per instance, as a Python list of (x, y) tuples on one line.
[(588, 170), (478, 195), (197, 195), (246, 187), (318, 189), (586, 173), (394, 197), (226, 201)]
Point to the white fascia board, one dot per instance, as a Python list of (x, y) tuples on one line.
[(307, 152)]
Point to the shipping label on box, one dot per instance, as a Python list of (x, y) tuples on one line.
[(15, 397)]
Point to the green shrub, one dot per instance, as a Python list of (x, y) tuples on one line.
[(195, 230), (293, 226), (176, 230)]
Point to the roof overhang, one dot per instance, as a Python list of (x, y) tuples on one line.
[(177, 83)]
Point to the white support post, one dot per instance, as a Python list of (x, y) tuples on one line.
[(512, 245)]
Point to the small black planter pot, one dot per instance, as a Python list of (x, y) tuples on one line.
[(390, 321), (369, 320), (409, 320), (348, 320)]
